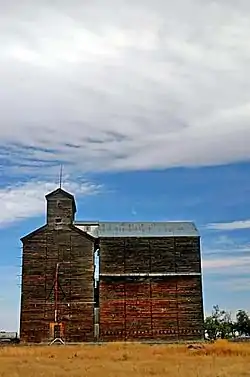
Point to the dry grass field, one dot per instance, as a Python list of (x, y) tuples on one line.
[(221, 359)]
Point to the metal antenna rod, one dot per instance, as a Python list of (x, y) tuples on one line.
[(60, 177)]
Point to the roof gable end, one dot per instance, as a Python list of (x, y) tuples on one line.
[(35, 232), (59, 192)]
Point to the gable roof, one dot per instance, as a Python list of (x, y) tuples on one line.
[(63, 193), (33, 233), (44, 227)]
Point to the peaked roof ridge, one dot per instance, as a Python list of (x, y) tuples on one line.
[(59, 190)]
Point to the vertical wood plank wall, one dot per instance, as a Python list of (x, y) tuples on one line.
[(155, 307), (41, 252)]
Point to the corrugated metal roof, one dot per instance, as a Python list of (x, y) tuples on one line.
[(139, 229)]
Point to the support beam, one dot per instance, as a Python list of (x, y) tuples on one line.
[(151, 274)]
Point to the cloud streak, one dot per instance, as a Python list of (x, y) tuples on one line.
[(230, 226), (215, 264), (97, 85), (226, 257)]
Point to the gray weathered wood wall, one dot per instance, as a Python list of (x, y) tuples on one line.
[(157, 305), (42, 250)]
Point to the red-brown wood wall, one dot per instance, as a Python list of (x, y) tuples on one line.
[(156, 306), (152, 308)]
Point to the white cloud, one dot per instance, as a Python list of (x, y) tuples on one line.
[(98, 84), (215, 264), (226, 277), (234, 225), (226, 256), (27, 200)]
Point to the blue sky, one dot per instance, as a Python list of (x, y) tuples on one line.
[(146, 104), (216, 198)]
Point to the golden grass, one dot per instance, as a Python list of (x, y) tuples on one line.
[(221, 359)]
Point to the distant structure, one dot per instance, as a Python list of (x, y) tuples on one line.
[(109, 281)]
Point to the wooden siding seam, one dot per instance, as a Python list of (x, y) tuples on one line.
[(153, 274)]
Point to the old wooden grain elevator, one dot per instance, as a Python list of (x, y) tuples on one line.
[(147, 284)]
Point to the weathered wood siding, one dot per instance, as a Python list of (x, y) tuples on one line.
[(138, 296), (60, 210), (41, 252), (151, 307), (150, 255), (166, 308)]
